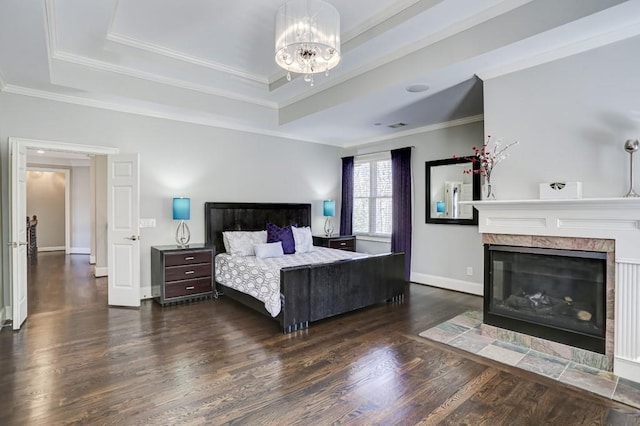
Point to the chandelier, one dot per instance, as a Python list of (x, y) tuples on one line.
[(307, 38)]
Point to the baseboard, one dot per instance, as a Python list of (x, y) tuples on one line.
[(102, 271), (3, 315), (92, 259), (448, 283), (146, 293), (626, 368), (61, 248), (79, 250)]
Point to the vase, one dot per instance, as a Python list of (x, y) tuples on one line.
[(488, 190)]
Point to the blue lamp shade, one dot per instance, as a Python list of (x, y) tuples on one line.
[(329, 208), (440, 208), (181, 208)]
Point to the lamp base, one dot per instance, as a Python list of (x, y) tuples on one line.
[(328, 227), (183, 235)]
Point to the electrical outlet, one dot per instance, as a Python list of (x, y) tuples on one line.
[(469, 270)]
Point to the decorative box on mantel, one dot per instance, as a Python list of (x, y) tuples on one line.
[(560, 190), (597, 218)]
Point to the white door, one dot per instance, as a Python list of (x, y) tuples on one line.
[(123, 237), (19, 232)]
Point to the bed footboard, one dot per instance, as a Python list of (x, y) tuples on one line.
[(314, 292)]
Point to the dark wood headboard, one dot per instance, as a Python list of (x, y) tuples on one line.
[(220, 217)]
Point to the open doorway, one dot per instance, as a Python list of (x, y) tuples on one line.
[(18, 151), (60, 209)]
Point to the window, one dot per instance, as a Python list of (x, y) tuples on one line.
[(372, 195)]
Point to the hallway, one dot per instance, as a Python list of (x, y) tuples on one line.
[(59, 282)]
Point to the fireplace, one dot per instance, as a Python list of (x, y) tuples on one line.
[(554, 294)]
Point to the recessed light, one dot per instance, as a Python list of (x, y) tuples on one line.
[(40, 151), (417, 88)]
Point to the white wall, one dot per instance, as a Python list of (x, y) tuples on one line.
[(441, 253), (80, 210), (204, 163), (572, 118), (46, 200)]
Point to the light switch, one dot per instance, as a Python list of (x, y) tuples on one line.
[(147, 223)]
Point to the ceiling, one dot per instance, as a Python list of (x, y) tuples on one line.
[(212, 62)]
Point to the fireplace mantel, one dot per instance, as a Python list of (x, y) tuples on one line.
[(611, 218), (606, 218)]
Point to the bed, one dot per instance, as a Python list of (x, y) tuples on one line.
[(308, 292)]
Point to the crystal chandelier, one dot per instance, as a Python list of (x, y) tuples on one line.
[(307, 38)]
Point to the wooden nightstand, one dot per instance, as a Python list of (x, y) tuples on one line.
[(181, 274), (341, 242)]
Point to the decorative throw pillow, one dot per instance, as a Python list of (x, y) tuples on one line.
[(266, 250), (240, 243), (303, 239), (276, 233)]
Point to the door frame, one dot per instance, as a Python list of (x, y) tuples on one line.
[(51, 146)]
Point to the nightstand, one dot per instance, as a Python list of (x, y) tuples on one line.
[(182, 274), (341, 242)]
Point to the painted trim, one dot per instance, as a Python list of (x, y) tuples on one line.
[(448, 283), (79, 250), (146, 292), (174, 54), (53, 248), (3, 315), (92, 259), (24, 91), (67, 200), (417, 131), (562, 52), (626, 368), (102, 271), (64, 146)]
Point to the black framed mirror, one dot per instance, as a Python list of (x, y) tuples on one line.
[(446, 185)]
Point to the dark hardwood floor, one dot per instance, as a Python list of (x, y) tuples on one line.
[(215, 362)]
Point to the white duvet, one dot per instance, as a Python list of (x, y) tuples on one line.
[(260, 278)]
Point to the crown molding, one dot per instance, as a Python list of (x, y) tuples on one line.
[(146, 112), (130, 72), (417, 131), (164, 51), (563, 52)]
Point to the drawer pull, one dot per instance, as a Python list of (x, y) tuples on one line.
[(343, 244), (189, 258), (190, 287), (189, 272)]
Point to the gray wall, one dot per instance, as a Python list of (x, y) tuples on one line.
[(46, 200), (571, 117), (441, 253), (204, 163)]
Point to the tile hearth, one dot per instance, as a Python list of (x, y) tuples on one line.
[(467, 332)]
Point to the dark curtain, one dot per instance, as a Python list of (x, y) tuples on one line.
[(401, 193), (346, 211)]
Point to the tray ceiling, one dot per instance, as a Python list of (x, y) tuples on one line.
[(212, 62)]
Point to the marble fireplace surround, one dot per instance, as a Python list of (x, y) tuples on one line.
[(610, 225)]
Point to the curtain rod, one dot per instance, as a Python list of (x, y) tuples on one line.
[(382, 150)]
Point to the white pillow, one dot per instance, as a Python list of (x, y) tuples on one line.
[(266, 250), (303, 239), (240, 243)]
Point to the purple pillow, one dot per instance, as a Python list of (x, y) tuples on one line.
[(275, 234)]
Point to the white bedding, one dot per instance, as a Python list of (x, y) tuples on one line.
[(260, 278)]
